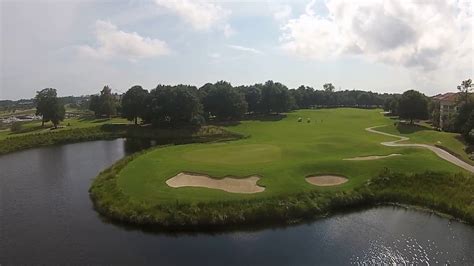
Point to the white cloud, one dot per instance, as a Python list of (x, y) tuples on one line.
[(426, 35), (282, 12), (228, 30), (199, 14), (245, 49), (113, 42), (215, 55)]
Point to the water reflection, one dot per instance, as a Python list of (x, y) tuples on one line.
[(133, 145)]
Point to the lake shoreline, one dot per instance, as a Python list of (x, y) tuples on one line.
[(182, 135), (108, 200)]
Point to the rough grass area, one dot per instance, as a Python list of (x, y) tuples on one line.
[(134, 190), (447, 193)]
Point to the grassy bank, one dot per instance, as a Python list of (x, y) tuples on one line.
[(28, 141), (35, 127), (442, 192), (283, 153), (113, 131)]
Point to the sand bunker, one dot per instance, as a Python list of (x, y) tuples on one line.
[(326, 180), (373, 157), (234, 185)]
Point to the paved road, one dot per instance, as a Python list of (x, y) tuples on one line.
[(438, 151)]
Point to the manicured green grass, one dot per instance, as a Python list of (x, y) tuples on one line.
[(283, 153), (234, 155)]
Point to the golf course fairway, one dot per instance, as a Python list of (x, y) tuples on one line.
[(282, 153)]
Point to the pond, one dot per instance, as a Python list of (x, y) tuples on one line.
[(46, 217)]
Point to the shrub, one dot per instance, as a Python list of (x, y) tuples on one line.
[(16, 127), (198, 120)]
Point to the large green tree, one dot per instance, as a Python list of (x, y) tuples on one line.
[(462, 116), (394, 105), (134, 103), (108, 104), (364, 99), (103, 104), (94, 104), (253, 95), (303, 96), (58, 112), (328, 87), (49, 106), (275, 98), (433, 111), (173, 105), (43, 101), (465, 90), (413, 105), (386, 104), (463, 121), (223, 101), (468, 127)]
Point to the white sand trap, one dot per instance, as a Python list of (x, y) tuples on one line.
[(246, 185), (326, 180), (373, 157)]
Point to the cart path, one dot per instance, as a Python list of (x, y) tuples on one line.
[(438, 151)]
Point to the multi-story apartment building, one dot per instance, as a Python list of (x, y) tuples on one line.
[(447, 106)]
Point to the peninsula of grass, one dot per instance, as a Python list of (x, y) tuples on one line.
[(283, 153)]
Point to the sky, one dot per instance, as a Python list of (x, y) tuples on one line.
[(78, 47)]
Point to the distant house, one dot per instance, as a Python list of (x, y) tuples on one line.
[(448, 106)]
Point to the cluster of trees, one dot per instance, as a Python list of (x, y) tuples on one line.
[(49, 106), (184, 104), (221, 101), (163, 105), (411, 105), (415, 105)]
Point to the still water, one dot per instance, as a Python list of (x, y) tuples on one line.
[(46, 217)]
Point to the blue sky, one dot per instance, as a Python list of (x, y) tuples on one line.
[(78, 47)]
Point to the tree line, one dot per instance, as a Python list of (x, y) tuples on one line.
[(220, 101)]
